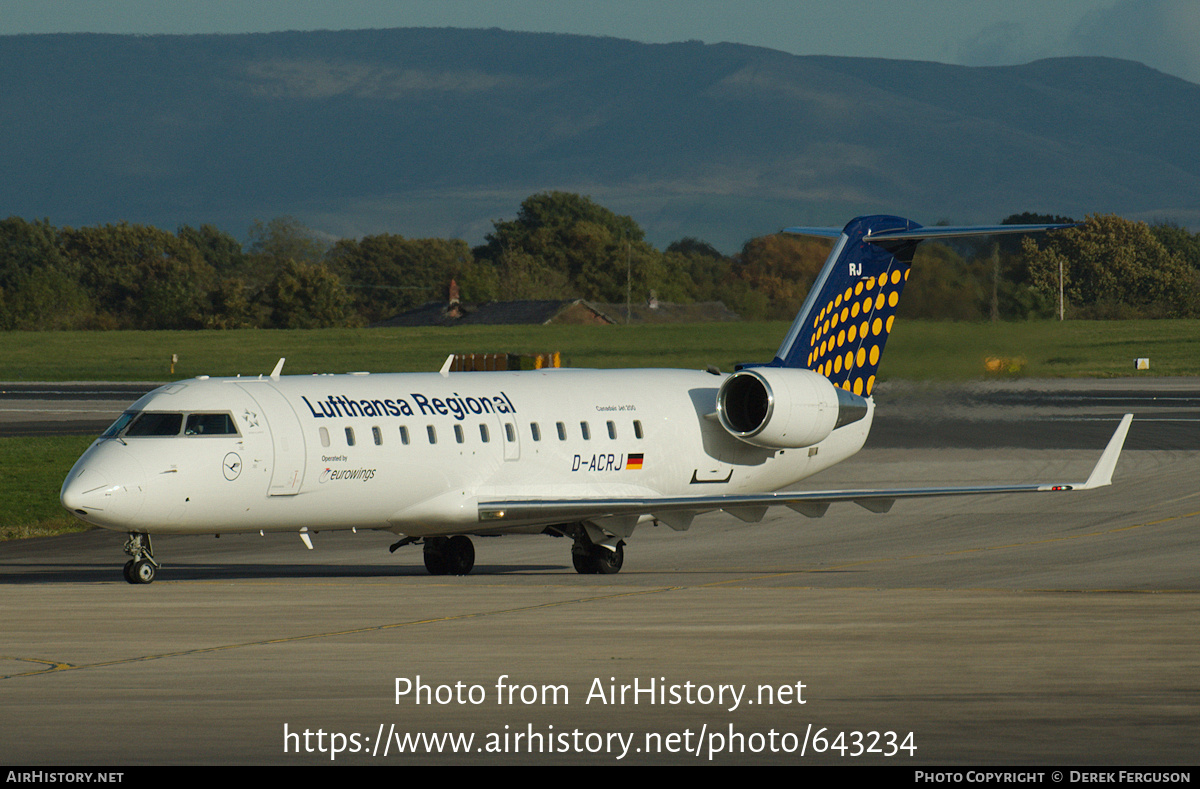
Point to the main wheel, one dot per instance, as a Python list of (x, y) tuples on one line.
[(128, 572), (460, 555), (436, 555), (598, 559), (608, 562), (584, 563)]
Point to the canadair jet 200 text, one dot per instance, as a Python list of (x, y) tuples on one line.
[(589, 454)]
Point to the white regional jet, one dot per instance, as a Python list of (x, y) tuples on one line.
[(589, 454)]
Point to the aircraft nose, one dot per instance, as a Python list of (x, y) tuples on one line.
[(105, 487)]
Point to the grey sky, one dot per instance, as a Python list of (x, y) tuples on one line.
[(1160, 33)]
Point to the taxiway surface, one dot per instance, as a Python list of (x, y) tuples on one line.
[(1034, 629)]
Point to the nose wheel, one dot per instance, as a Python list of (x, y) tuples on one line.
[(142, 568)]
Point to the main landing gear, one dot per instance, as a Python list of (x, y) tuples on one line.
[(449, 555), (142, 568), (590, 558), (456, 555)]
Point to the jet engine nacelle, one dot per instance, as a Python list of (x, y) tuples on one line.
[(784, 407)]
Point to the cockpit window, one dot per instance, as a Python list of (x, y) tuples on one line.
[(116, 427), (155, 424), (135, 424), (210, 425)]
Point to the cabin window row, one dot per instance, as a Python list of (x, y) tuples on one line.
[(485, 434)]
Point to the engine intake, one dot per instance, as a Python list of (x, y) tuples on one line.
[(784, 407)]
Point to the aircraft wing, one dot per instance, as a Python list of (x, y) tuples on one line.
[(678, 511)]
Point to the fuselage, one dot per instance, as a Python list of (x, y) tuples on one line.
[(415, 453)]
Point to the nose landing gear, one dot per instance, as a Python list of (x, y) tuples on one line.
[(142, 568)]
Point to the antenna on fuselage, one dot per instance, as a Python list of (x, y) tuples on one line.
[(278, 368)]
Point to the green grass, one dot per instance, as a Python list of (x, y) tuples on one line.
[(921, 350), (146, 356), (917, 350), (32, 469)]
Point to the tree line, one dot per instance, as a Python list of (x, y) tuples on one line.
[(559, 246)]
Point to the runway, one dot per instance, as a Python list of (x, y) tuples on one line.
[(1049, 629), (64, 408)]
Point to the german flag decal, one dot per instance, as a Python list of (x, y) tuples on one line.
[(634, 462)]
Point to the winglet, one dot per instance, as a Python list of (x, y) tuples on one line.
[(278, 368), (445, 371), (1102, 473)]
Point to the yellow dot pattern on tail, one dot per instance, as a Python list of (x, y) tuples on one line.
[(847, 318)]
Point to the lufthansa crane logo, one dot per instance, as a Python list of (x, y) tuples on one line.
[(231, 466)]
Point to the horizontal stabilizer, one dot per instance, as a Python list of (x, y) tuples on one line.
[(926, 233)]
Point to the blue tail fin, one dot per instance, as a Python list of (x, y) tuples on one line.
[(845, 321)]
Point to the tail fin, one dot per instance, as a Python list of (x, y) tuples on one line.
[(845, 321)]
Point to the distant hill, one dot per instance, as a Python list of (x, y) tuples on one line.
[(429, 132)]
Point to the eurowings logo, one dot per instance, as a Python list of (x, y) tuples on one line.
[(358, 474)]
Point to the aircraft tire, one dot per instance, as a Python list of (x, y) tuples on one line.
[(599, 560), (128, 572), (460, 555), (584, 563), (436, 558), (143, 572), (608, 562)]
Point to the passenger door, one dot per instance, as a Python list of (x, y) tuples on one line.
[(287, 471)]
